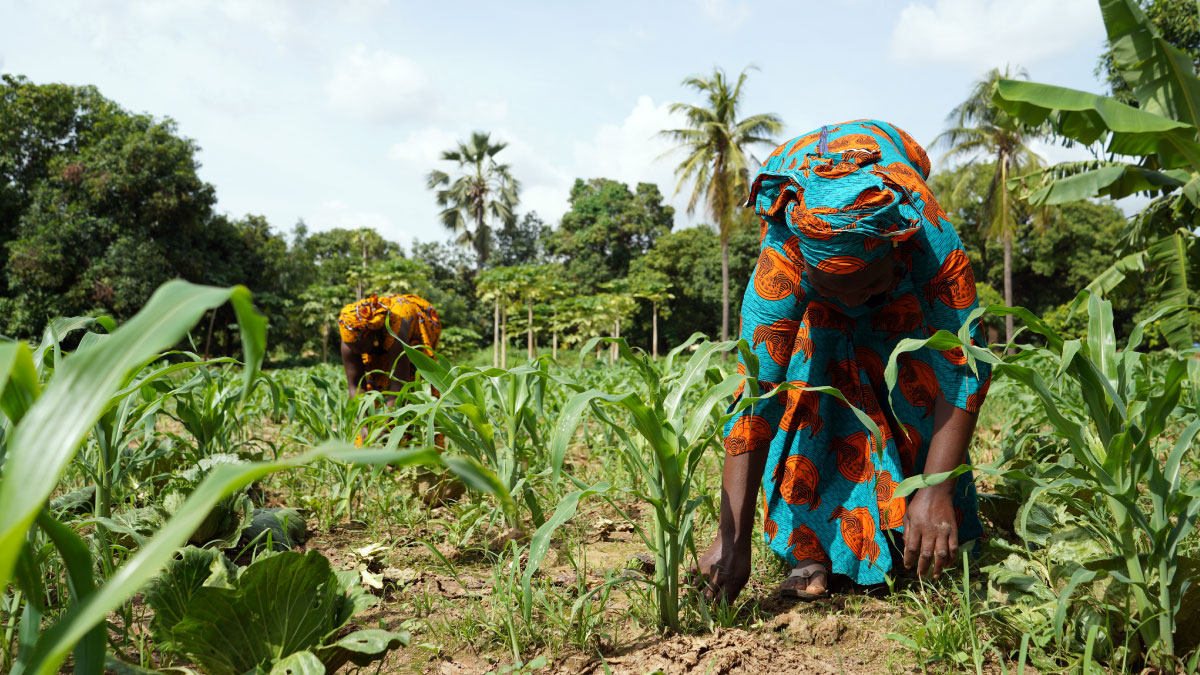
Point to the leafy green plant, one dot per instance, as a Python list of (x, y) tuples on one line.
[(49, 424), (495, 417), (676, 417), (281, 607), (1120, 475), (1163, 133)]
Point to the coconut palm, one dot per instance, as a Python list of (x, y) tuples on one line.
[(483, 190), (978, 131), (717, 162)]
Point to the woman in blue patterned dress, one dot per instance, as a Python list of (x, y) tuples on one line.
[(856, 255)]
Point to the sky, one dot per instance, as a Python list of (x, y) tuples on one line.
[(334, 112)]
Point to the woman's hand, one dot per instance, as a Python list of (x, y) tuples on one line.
[(725, 567), (931, 530), (930, 526)]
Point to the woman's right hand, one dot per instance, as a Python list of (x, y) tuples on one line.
[(725, 568)]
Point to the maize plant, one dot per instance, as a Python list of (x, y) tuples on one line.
[(45, 425), (676, 418), (1120, 473), (495, 417)]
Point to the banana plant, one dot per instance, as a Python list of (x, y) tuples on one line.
[(1119, 471), (1162, 133)]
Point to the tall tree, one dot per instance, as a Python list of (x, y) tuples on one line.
[(650, 284), (607, 227), (979, 131), (522, 244), (483, 190), (718, 161)]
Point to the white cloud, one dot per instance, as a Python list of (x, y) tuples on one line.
[(992, 33), (422, 149), (633, 152), (728, 14), (379, 85), (336, 213)]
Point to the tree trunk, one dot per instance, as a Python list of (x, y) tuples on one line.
[(654, 329), (324, 342), (612, 351), (725, 288), (496, 336), (362, 273), (530, 339), (1008, 286), (504, 339), (554, 345)]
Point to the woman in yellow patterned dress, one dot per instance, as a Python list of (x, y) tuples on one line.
[(373, 357)]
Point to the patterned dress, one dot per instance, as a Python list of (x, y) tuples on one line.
[(367, 319), (827, 494)]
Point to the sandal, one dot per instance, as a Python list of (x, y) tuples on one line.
[(805, 572)]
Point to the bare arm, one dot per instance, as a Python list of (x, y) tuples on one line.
[(353, 364), (930, 527)]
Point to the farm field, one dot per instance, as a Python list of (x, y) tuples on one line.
[(227, 448), (567, 549)]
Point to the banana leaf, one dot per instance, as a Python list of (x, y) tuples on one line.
[(1086, 118), (1162, 76)]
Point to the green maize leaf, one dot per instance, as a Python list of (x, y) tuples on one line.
[(89, 652), (540, 543), (669, 360), (698, 417), (61, 328), (128, 579), (1102, 343), (481, 478), (1162, 77), (19, 387), (1087, 118), (693, 374), (44, 441)]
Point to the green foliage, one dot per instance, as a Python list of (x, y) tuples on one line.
[(1119, 475), (280, 606), (1178, 23), (606, 228), (1162, 132), (676, 417)]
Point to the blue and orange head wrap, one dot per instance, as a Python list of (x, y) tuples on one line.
[(849, 192)]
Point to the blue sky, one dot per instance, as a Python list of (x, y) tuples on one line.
[(334, 111)]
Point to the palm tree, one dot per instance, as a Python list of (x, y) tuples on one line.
[(484, 189), (979, 131), (717, 162)]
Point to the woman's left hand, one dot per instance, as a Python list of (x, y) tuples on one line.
[(930, 531)]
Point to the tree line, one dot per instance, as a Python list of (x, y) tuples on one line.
[(99, 205)]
